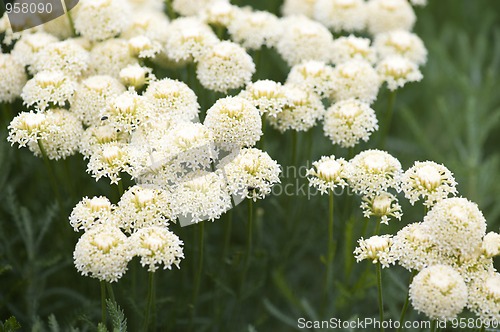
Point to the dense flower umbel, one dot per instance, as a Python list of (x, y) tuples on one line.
[(251, 174), (429, 180), (109, 160), (491, 244), (314, 76), (403, 43), (157, 246), (387, 15), (27, 48), (376, 249), (103, 253), (90, 212), (253, 30), (352, 48), (67, 56), (13, 78), (341, 15), (484, 296), (383, 205), (356, 79), (396, 71), (298, 7), (192, 7), (27, 128), (373, 172), (349, 121), (48, 87), (328, 173), (439, 291), (268, 96), (110, 57), (456, 225)]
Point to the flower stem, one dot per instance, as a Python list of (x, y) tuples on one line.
[(120, 188), (261, 142), (388, 118), (331, 245), (111, 294), (294, 147), (199, 269), (50, 172), (103, 302), (170, 9), (227, 233), (380, 296), (433, 325), (70, 19), (150, 301), (249, 233), (405, 305)]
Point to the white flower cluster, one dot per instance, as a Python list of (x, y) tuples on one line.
[(376, 249)]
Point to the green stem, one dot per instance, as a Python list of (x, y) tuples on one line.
[(103, 302), (170, 9), (70, 20), (261, 143), (150, 301), (111, 294), (380, 296), (483, 328), (120, 188), (294, 147), (249, 233), (433, 325), (50, 172), (331, 245), (227, 233), (7, 113), (388, 118), (199, 269), (406, 304), (377, 227)]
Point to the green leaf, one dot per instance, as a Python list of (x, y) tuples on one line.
[(53, 324), (117, 316), (10, 325)]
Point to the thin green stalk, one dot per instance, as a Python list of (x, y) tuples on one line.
[(51, 173), (377, 228), (249, 233), (111, 294), (7, 113), (380, 296), (294, 147), (120, 188), (261, 142), (388, 118), (103, 302), (483, 328), (170, 9), (199, 269), (433, 325), (70, 19), (227, 233), (331, 245), (150, 301), (405, 305)]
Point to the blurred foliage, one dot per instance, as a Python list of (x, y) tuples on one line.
[(451, 117)]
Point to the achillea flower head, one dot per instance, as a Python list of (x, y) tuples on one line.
[(48, 88), (429, 180), (251, 174), (484, 296), (109, 160), (268, 96), (350, 47), (491, 244), (141, 207), (301, 111), (144, 47), (356, 79), (27, 128), (136, 76), (313, 76), (90, 212), (102, 253), (13, 78), (341, 15), (328, 173), (374, 172), (193, 7), (152, 24), (403, 43), (298, 7), (349, 121), (95, 136), (127, 111), (92, 96), (67, 56), (98, 20), (234, 122), (387, 15), (384, 205), (202, 196), (110, 57), (172, 100), (376, 249), (188, 39), (157, 246), (303, 39), (396, 71), (225, 66), (456, 225), (439, 292), (255, 29), (27, 48), (220, 13)]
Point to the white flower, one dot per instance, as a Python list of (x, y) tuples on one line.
[(144, 47), (225, 66), (141, 207), (136, 76), (109, 160), (397, 71), (429, 180), (328, 173), (235, 122), (383, 205), (373, 172), (48, 87), (251, 174), (356, 79), (27, 128), (67, 56), (220, 13), (341, 15), (127, 111), (491, 244), (439, 292), (90, 212), (157, 246), (387, 15), (193, 7), (152, 24), (92, 96), (484, 296), (298, 7), (268, 96), (314, 76), (102, 253), (97, 135), (99, 20), (110, 57), (252, 30), (13, 78), (27, 48), (303, 39), (376, 249), (301, 112), (403, 43), (350, 47), (349, 121)]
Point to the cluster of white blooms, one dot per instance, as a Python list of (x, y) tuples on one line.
[(376, 249), (383, 205), (313, 76), (13, 78), (328, 173), (396, 71), (268, 96), (90, 212)]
